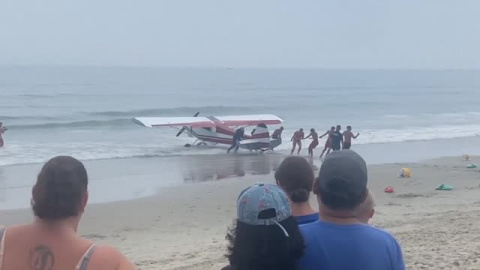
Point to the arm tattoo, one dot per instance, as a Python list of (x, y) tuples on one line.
[(41, 258)]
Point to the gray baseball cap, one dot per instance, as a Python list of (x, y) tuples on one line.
[(343, 173), (263, 204)]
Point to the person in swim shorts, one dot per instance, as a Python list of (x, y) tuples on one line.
[(314, 143), (328, 143), (297, 138), (348, 135)]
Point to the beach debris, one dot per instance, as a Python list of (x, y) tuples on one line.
[(405, 173), (466, 157), (389, 190), (471, 166), (444, 187)]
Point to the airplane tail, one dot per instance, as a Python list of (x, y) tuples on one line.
[(261, 132), (259, 139)]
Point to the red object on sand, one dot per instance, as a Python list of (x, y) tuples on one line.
[(389, 190)]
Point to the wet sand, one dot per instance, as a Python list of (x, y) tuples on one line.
[(182, 225)]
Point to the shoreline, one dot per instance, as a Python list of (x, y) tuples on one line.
[(406, 151), (111, 179), (184, 226)]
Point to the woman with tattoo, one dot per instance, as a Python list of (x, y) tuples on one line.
[(51, 242)]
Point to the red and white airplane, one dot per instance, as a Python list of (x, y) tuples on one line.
[(220, 129)]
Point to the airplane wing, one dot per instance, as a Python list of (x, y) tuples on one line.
[(198, 122), (250, 120)]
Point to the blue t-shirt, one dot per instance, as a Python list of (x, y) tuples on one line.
[(307, 218), (349, 247)]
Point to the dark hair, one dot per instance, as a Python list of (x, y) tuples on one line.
[(339, 196), (349, 126), (265, 247), (338, 126), (332, 128), (295, 176), (59, 189)]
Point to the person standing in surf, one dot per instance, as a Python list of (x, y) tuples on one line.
[(314, 143), (348, 135), (2, 130), (276, 138), (277, 134), (337, 139), (328, 143), (238, 136), (297, 138)]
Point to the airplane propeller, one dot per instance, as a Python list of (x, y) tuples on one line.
[(183, 128)]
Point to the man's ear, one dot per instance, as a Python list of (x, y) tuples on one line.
[(84, 202), (34, 191), (365, 195)]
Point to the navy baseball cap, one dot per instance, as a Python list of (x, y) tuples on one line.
[(343, 173)]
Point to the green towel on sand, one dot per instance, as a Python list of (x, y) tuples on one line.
[(444, 187)]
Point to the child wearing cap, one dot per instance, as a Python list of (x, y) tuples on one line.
[(295, 176), (266, 235), (339, 240)]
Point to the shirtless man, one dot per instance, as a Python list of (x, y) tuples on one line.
[(2, 130), (277, 134), (297, 138), (328, 143), (348, 135), (314, 143)]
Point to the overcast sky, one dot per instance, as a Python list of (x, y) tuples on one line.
[(246, 33)]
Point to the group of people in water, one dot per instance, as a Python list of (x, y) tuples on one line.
[(276, 228), (336, 140)]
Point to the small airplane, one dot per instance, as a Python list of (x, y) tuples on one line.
[(220, 129)]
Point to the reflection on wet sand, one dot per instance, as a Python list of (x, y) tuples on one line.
[(212, 168), (127, 179)]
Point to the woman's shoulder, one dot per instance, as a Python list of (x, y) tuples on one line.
[(108, 257)]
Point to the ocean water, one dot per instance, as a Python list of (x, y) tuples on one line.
[(87, 111)]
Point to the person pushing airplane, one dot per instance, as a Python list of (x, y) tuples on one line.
[(314, 143), (297, 138), (348, 135), (237, 137)]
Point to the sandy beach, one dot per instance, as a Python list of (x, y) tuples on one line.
[(182, 225)]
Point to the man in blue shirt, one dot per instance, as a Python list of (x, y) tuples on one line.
[(339, 241), (337, 139)]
